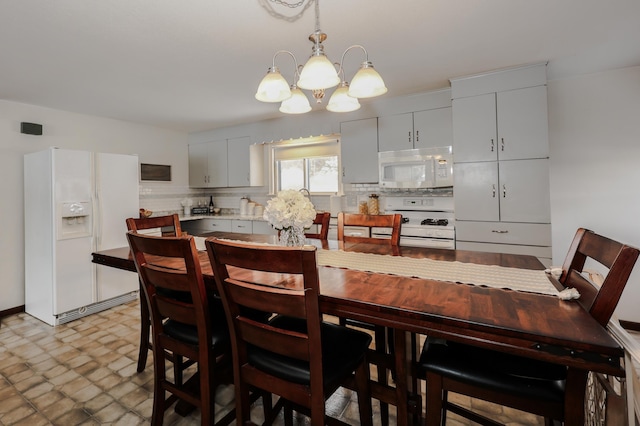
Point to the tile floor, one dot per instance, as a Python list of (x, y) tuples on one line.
[(84, 373)]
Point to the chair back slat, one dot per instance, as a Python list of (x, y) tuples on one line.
[(392, 221), (283, 342), (291, 302), (169, 225), (322, 220), (618, 258)]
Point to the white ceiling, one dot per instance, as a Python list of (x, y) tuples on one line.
[(195, 64)]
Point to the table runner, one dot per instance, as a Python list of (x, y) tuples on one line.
[(527, 280)]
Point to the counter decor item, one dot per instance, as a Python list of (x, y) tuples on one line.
[(374, 204), (186, 204), (363, 207), (290, 212)]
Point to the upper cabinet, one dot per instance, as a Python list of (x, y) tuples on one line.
[(221, 163), (501, 156), (422, 129), (208, 164), (359, 155), (501, 126)]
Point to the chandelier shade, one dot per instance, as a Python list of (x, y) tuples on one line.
[(367, 83), (317, 75), (273, 87), (298, 103), (340, 101)]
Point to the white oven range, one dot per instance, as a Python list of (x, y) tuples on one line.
[(428, 221)]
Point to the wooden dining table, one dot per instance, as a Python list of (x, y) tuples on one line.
[(533, 325)]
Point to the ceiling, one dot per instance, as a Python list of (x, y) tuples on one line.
[(195, 65)]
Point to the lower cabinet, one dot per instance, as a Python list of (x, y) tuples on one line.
[(201, 226), (242, 226), (504, 237), (263, 227)]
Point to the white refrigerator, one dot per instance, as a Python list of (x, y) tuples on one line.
[(76, 202)]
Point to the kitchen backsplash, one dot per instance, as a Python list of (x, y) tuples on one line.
[(168, 200)]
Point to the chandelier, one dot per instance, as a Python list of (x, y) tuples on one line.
[(317, 75)]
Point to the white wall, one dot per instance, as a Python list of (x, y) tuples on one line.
[(71, 131), (594, 132)]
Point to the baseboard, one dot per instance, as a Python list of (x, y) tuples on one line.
[(11, 311), (630, 325)]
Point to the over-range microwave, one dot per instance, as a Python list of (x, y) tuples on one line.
[(416, 168)]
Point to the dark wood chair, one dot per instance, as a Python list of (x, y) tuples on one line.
[(181, 325), (381, 355), (548, 390), (166, 226), (322, 220), (393, 221), (295, 355)]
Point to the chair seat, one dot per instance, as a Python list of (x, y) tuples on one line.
[(493, 370), (189, 333), (342, 351)]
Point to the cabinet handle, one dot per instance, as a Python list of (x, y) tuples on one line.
[(493, 189), (501, 144), (409, 137), (500, 232), (417, 135), (504, 191), (342, 171), (492, 144)]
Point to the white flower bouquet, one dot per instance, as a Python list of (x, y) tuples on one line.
[(290, 211)]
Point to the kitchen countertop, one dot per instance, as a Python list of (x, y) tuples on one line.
[(221, 216)]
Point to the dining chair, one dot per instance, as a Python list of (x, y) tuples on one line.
[(166, 226), (392, 221), (168, 267), (381, 356), (548, 390), (322, 220), (295, 355)]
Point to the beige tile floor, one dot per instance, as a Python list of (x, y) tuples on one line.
[(84, 373)]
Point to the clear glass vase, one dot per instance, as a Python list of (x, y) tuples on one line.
[(292, 237)]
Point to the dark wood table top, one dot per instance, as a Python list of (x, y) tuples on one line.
[(533, 325)]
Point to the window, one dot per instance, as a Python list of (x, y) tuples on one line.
[(307, 163)]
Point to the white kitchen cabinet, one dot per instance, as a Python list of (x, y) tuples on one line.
[(263, 227), (198, 165), (224, 163), (359, 155), (204, 225), (507, 191), (242, 226), (208, 164), (501, 162), (421, 129), (238, 155), (501, 126)]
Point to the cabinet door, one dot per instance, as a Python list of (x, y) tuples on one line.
[(217, 164), (395, 132), (433, 128), (198, 165), (239, 161), (523, 123), (359, 145), (476, 191), (474, 128), (242, 226), (263, 227), (524, 191)]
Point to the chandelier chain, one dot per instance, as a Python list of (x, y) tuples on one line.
[(290, 5)]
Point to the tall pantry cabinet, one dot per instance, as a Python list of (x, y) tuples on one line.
[(501, 162)]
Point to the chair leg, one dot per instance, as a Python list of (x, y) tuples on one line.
[(145, 327), (380, 339), (433, 406), (363, 387)]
